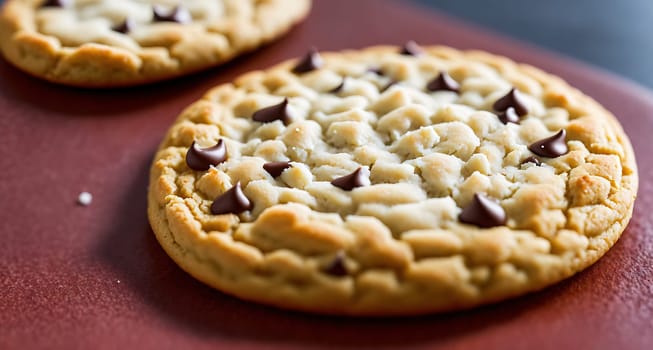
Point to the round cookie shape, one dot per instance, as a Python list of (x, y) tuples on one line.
[(112, 43), (387, 197)]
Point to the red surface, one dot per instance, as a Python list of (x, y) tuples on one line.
[(95, 277)]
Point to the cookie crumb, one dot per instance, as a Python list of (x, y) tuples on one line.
[(85, 199)]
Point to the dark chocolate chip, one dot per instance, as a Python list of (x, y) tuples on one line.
[(276, 168), (233, 201), (532, 159), (337, 266), (509, 116), (483, 212), (512, 99), (202, 158), (389, 85), (551, 147), (360, 177), (411, 49), (125, 27), (311, 61), (443, 82), (273, 113), (179, 14), (376, 70), (338, 88), (55, 3)]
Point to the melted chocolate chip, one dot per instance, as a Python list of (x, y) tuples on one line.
[(389, 85), (411, 49), (202, 158), (125, 27), (509, 116), (273, 113), (359, 178), (276, 168), (483, 212), (55, 3), (337, 266), (551, 147), (443, 82), (179, 14), (376, 70), (512, 99), (233, 201), (338, 88), (311, 61), (532, 159)]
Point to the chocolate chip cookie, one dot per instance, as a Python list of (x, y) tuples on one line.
[(391, 181), (106, 43)]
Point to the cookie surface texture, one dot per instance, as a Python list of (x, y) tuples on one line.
[(112, 43), (376, 182)]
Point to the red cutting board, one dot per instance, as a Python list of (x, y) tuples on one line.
[(94, 277)]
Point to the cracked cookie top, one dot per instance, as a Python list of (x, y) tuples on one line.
[(391, 181), (127, 42)]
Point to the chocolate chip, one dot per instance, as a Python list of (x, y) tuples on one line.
[(376, 70), (311, 61), (55, 3), (276, 168), (179, 14), (532, 159), (551, 147), (483, 212), (338, 88), (233, 201), (512, 99), (273, 113), (202, 158), (443, 82), (389, 85), (509, 116), (337, 266), (125, 27), (360, 177), (411, 49)]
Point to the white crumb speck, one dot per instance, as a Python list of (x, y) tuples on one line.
[(85, 199), (117, 281)]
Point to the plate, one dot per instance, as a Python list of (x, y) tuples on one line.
[(95, 277)]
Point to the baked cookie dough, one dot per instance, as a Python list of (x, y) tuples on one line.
[(391, 181), (109, 43)]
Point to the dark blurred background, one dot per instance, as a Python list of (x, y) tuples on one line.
[(616, 35)]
